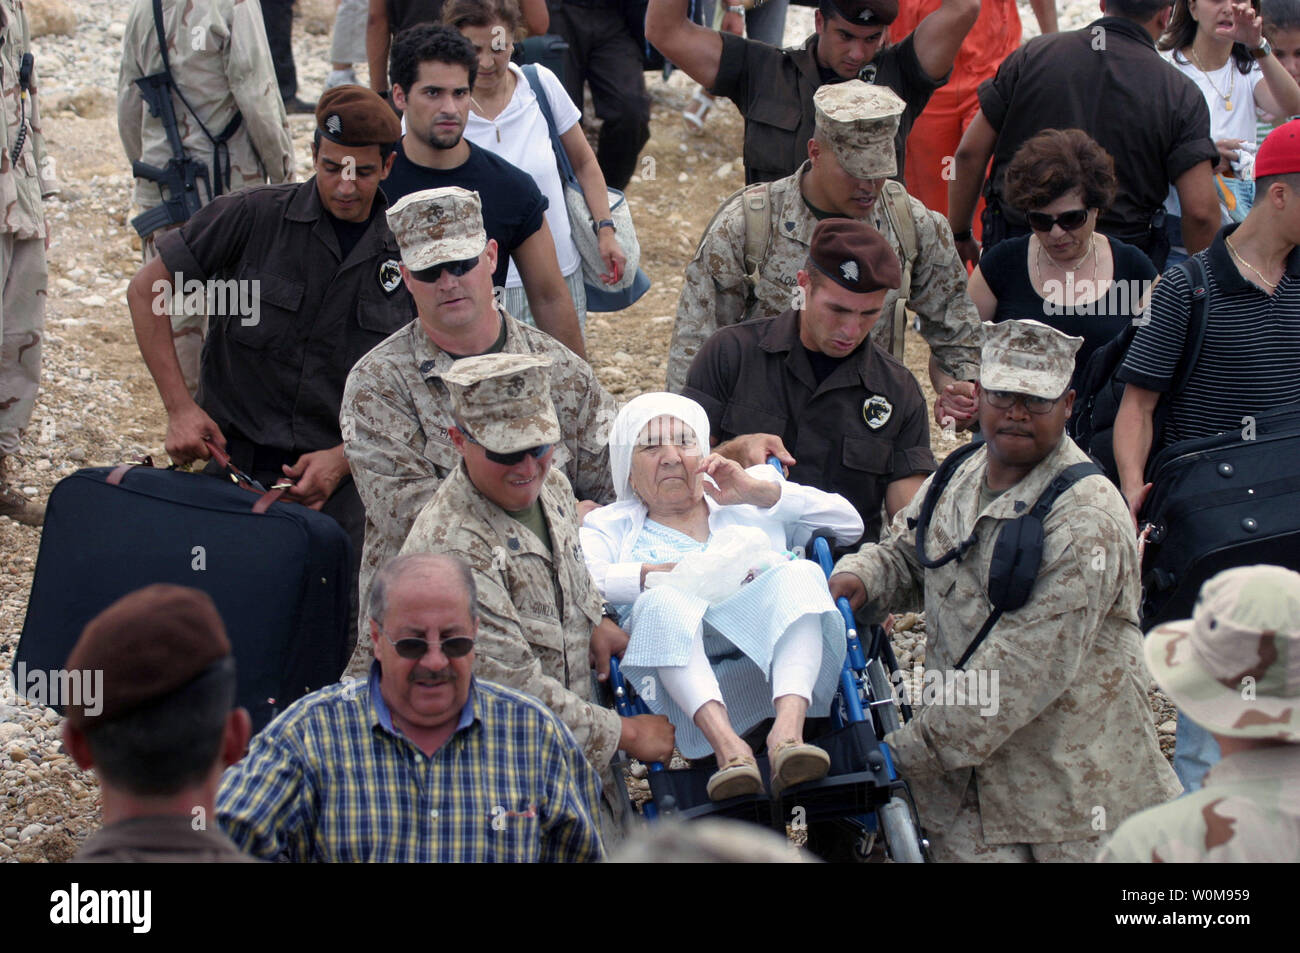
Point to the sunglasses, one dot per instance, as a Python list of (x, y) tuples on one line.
[(1042, 222), (457, 268), (508, 459), (413, 648), (1005, 400)]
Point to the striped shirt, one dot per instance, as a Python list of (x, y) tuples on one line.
[(331, 779), (1250, 356)]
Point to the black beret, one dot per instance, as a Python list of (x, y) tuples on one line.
[(861, 12), (854, 256), (356, 116)]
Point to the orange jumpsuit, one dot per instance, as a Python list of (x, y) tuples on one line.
[(938, 130)]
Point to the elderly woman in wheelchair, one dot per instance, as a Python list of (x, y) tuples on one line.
[(726, 629)]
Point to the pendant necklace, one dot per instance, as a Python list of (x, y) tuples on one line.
[(1226, 97)]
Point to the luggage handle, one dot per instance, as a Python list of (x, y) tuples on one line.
[(115, 477), (242, 479)]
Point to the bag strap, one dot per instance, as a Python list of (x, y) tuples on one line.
[(543, 103), (756, 202), (1042, 506), (899, 215), (1199, 312), (922, 523)]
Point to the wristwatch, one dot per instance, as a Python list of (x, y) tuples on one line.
[(1262, 50), (736, 8), (608, 611), (963, 236), (602, 223)]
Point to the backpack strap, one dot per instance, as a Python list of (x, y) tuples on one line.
[(757, 205), (939, 483), (898, 211), (1025, 536), (544, 104), (1198, 317)]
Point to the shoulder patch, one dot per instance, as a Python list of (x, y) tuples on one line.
[(876, 411)]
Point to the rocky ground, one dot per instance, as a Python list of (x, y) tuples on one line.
[(98, 405)]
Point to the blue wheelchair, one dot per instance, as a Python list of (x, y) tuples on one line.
[(862, 796)]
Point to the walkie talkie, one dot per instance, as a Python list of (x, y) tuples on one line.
[(25, 83)]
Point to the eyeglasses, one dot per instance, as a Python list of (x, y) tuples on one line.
[(1042, 222), (412, 648), (1005, 400), (508, 459), (457, 268)]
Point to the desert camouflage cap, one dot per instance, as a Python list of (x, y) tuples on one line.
[(437, 226), (858, 121), (504, 400), (1027, 357), (1234, 666)]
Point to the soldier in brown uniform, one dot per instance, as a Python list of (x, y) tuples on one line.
[(810, 387), (26, 179), (321, 270), (748, 260), (512, 518), (773, 89), (162, 728)]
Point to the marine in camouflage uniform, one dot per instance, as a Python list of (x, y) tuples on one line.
[(1234, 668), (1064, 749), (221, 62), (537, 602), (24, 184), (854, 137), (396, 411)]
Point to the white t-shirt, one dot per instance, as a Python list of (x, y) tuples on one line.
[(526, 143), (1239, 123)]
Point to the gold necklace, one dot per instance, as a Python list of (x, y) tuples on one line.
[(1226, 97), (493, 119), (1272, 285), (1092, 246)]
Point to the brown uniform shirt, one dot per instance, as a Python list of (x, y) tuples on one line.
[(773, 89), (865, 426), (275, 377), (160, 840)]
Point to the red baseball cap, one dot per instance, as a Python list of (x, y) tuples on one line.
[(1280, 152)]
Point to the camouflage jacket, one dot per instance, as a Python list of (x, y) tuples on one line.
[(536, 607), (395, 416), (221, 62), (714, 293), (1247, 812), (23, 184), (1063, 747)]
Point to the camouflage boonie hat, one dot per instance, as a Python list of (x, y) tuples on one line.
[(437, 226), (1234, 666), (504, 400), (1027, 357), (858, 121)]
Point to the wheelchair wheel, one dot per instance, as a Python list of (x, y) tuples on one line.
[(882, 689), (901, 836)]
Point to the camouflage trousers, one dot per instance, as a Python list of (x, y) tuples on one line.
[(22, 324), (963, 842), (188, 328)]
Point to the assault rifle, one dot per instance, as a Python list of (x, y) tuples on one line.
[(179, 180)]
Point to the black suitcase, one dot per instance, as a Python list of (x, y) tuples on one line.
[(279, 578), (1219, 502)]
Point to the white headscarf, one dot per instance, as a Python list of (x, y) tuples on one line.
[(632, 419)]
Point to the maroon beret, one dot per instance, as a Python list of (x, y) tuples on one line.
[(861, 12), (356, 116), (854, 256), (147, 645)]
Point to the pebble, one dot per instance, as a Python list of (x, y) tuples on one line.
[(5, 850), (30, 831), (93, 301), (9, 731), (1168, 728), (723, 171), (17, 754)]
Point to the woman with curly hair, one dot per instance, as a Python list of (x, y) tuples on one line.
[(1063, 273)]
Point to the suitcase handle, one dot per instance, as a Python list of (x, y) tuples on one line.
[(266, 497)]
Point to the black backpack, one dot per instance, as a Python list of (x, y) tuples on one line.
[(1092, 426)]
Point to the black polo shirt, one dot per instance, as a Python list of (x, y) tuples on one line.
[(1108, 80), (1250, 355), (863, 427), (275, 377), (773, 89)]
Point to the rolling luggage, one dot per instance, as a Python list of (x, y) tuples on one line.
[(1217, 502), (277, 571)]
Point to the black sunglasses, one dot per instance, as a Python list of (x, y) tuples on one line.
[(508, 459), (457, 268), (413, 648), (1042, 222)]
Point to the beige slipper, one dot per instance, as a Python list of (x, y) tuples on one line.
[(739, 776), (794, 762)]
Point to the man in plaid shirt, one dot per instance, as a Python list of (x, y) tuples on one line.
[(421, 763)]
